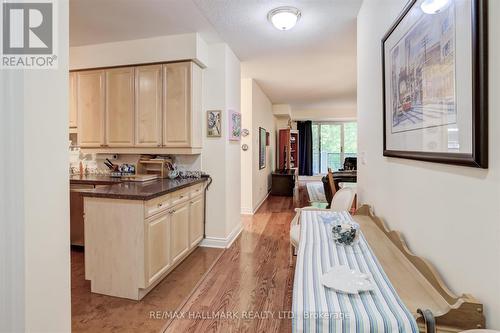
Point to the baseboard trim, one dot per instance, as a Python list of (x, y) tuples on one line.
[(261, 202), (222, 243), (247, 211)]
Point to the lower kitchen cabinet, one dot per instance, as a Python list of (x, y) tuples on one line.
[(179, 240), (131, 245), (158, 246), (196, 220)]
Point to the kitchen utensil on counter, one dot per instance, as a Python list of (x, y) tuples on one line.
[(158, 167), (172, 174)]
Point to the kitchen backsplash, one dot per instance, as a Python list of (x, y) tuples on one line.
[(183, 162)]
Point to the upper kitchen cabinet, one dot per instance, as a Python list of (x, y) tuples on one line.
[(182, 105), (148, 106), (120, 107), (73, 120), (90, 90), (145, 109)]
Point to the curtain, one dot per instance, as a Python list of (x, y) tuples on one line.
[(305, 148)]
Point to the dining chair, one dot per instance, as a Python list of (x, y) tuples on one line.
[(342, 201)]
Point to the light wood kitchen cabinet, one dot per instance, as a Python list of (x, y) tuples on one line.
[(120, 107), (149, 109), (148, 106), (182, 105), (73, 118), (179, 236), (90, 108), (131, 245), (158, 243), (196, 220)]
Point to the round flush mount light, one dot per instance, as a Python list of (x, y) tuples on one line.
[(434, 6), (284, 18)]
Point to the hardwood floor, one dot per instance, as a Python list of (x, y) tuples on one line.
[(250, 287), (100, 313)]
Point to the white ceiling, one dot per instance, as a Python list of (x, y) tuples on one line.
[(311, 67), (101, 21)]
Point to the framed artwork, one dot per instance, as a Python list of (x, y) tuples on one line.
[(214, 123), (234, 125), (435, 81), (262, 147)]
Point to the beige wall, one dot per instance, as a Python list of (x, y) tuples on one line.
[(34, 208), (448, 214), (147, 50), (257, 112)]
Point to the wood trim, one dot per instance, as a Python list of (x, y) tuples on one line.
[(140, 64), (479, 156), (464, 312)]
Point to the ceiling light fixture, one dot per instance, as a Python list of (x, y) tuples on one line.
[(434, 6), (284, 18)]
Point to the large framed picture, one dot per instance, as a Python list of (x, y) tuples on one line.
[(435, 80)]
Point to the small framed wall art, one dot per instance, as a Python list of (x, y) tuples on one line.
[(234, 125), (214, 123)]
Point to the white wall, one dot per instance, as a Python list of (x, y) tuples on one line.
[(257, 112), (147, 50), (34, 203), (339, 113), (247, 156), (262, 117), (233, 150), (448, 214), (220, 157)]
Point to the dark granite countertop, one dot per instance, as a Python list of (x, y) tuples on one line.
[(93, 180), (141, 190)]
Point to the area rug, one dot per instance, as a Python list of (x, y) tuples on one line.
[(316, 192)]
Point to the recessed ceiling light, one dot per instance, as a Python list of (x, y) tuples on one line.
[(284, 18), (434, 6)]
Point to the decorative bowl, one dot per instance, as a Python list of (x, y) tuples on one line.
[(345, 233)]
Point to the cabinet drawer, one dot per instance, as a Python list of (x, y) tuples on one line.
[(157, 205), (179, 196), (196, 190)]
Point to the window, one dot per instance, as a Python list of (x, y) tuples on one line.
[(332, 143)]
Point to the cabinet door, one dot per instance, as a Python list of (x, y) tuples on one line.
[(148, 86), (120, 107), (196, 219), (90, 108), (177, 105), (158, 246), (73, 120), (179, 219)]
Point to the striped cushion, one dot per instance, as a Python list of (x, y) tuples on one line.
[(319, 309)]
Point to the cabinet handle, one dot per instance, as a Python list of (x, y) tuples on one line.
[(160, 204)]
